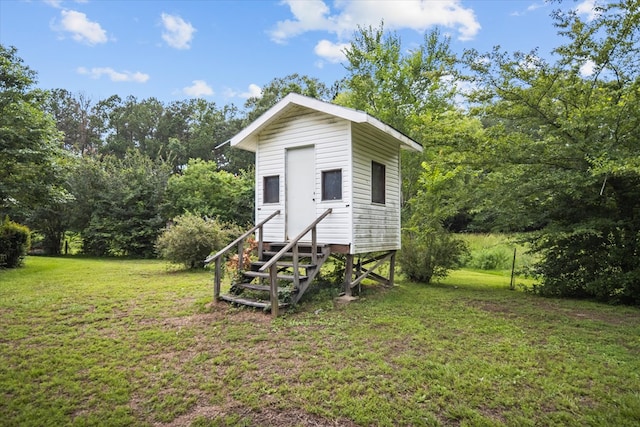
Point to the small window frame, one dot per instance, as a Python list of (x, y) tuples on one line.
[(331, 190), (271, 189), (378, 183)]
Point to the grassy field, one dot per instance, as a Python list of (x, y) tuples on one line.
[(121, 342)]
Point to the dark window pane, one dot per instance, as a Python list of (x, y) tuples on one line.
[(271, 189), (332, 185), (378, 175)]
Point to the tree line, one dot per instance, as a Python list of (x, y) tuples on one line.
[(512, 142)]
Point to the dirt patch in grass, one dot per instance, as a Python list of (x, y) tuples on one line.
[(263, 417), (551, 306)]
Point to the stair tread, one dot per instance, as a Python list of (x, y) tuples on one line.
[(250, 302), (266, 275), (284, 264), (255, 287)]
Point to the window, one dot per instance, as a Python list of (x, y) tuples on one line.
[(271, 189), (332, 184), (378, 174)]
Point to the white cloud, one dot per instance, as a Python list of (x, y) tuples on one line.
[(332, 52), (177, 32), (252, 91), (81, 28), (531, 8), (315, 15), (198, 89), (587, 68), (114, 76), (588, 8), (54, 3)]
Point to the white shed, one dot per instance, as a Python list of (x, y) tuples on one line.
[(312, 157)]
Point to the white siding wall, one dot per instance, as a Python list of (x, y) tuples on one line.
[(331, 138), (376, 226)]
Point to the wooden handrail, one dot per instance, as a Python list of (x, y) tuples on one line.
[(295, 241), (239, 239)]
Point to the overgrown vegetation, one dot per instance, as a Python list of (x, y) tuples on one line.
[(189, 239), (127, 342), (15, 241)]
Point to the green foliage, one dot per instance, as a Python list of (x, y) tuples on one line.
[(429, 253), (30, 149), (190, 239), (589, 263), (15, 241), (118, 204), (203, 189), (562, 152)]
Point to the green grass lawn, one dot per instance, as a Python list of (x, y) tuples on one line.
[(122, 342)]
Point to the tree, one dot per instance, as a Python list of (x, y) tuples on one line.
[(118, 203), (564, 149), (204, 190), (30, 146), (414, 92), (75, 117)]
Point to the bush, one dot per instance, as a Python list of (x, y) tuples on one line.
[(190, 239), (428, 254), (15, 241)]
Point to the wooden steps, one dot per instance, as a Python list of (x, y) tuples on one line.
[(257, 295), (250, 302)]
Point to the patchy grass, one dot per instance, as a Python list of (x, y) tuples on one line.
[(121, 342)]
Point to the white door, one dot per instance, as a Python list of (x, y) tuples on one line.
[(300, 191)]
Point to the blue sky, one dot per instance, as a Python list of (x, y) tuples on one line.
[(225, 51)]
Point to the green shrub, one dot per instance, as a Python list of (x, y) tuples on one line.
[(15, 241), (190, 239), (428, 254)]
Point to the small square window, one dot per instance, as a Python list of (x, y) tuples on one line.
[(378, 182), (332, 184), (271, 189)]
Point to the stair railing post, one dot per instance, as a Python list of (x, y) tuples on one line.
[(273, 289), (314, 245), (240, 256), (296, 273), (216, 280), (260, 246)]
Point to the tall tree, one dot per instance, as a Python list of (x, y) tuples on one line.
[(564, 144), (30, 145), (75, 117), (415, 93)]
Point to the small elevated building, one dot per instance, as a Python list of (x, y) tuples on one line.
[(327, 181)]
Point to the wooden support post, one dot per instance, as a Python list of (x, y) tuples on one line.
[(273, 289), (296, 272), (240, 256), (260, 244), (314, 246), (348, 274), (392, 268), (216, 280)]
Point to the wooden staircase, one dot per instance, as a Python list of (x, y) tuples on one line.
[(282, 273), (254, 288)]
